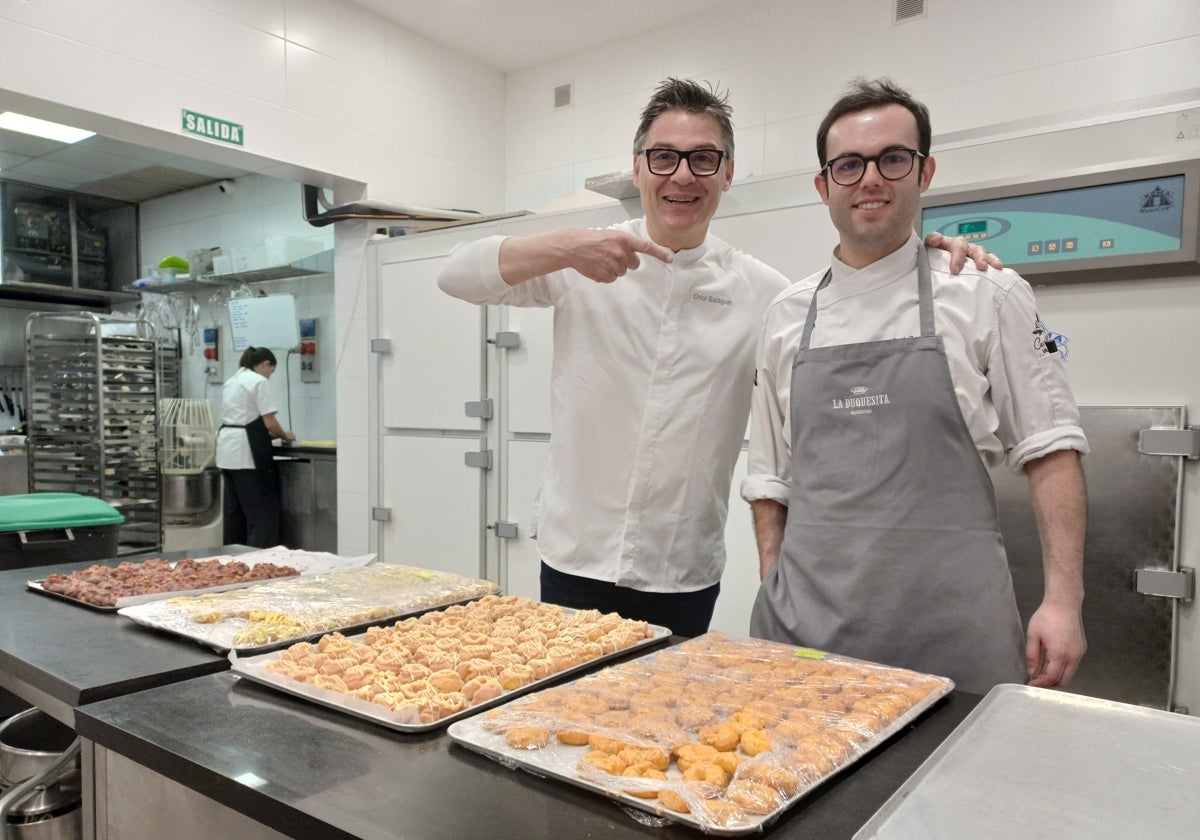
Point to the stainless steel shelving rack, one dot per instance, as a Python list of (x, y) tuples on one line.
[(92, 386)]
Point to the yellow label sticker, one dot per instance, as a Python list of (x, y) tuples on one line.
[(425, 574), (808, 653)]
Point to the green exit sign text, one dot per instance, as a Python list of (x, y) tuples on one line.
[(213, 128)]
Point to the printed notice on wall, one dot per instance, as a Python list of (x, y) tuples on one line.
[(264, 322)]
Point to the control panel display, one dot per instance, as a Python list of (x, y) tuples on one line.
[(1095, 225)]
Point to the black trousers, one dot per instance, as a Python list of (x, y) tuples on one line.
[(251, 508), (685, 613)]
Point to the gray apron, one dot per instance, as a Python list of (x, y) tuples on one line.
[(892, 549)]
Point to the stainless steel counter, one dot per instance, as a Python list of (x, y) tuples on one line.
[(292, 768), (308, 491)]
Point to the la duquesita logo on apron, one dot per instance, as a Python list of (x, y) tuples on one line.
[(860, 401)]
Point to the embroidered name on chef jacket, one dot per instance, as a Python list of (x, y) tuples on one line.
[(859, 401)]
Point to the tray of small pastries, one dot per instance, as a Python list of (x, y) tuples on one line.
[(425, 672), (720, 733), (270, 615), (108, 587)]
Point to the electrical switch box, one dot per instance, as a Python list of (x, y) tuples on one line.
[(310, 370), (212, 356)]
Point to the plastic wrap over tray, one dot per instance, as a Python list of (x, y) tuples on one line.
[(268, 615), (721, 733), (424, 673), (133, 582)]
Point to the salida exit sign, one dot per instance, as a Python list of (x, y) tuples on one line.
[(213, 128)]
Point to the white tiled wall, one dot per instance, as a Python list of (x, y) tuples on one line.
[(976, 64)]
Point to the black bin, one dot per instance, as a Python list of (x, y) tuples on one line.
[(40, 529)]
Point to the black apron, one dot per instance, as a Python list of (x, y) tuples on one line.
[(261, 449), (892, 549)]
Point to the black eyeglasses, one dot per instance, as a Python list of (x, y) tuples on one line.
[(700, 161), (893, 164)]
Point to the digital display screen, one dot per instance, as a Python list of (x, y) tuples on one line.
[(1142, 216)]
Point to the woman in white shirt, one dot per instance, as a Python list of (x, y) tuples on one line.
[(245, 454)]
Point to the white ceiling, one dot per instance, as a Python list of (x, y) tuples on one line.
[(512, 35)]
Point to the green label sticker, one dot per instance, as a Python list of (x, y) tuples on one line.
[(425, 574), (808, 653)]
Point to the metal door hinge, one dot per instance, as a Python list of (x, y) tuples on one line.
[(481, 460), (504, 530), (479, 408), (1181, 442), (381, 345), (506, 340), (1165, 583), (381, 514)]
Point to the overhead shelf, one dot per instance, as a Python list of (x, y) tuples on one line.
[(317, 264), (49, 293)]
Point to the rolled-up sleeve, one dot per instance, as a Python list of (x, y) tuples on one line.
[(472, 272), (1035, 408), (769, 460)]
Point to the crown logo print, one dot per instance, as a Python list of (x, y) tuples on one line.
[(859, 390)]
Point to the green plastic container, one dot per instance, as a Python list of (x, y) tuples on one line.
[(37, 529)]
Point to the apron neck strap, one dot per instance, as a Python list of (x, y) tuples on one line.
[(924, 299)]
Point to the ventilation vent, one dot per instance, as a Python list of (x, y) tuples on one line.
[(909, 9), (562, 96)]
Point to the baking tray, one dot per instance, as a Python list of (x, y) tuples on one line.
[(1031, 762), (726, 685), (346, 600), (305, 562), (254, 669)]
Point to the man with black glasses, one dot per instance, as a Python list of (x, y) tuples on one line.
[(652, 373), (884, 390)]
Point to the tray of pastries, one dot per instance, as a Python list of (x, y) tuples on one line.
[(109, 587), (425, 672), (270, 615), (720, 733)]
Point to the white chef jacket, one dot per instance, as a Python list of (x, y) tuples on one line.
[(1011, 387), (650, 392), (246, 397)]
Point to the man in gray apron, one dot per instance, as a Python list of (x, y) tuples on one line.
[(874, 511)]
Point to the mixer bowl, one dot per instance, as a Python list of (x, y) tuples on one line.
[(190, 494)]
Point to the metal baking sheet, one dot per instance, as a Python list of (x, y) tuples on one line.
[(362, 591), (558, 761), (254, 669), (1030, 762), (305, 562)]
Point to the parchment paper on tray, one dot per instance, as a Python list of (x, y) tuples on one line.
[(422, 673), (108, 587), (260, 617), (721, 733)]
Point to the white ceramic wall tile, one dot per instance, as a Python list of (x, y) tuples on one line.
[(352, 405), (942, 49), (352, 461), (267, 15), (538, 143), (334, 148), (749, 145), (348, 34), (982, 102), (1132, 74), (129, 91), (354, 516), (241, 229), (716, 37), (332, 90), (433, 69), (809, 80), (795, 26), (128, 33), (746, 85), (529, 93), (629, 65), (1074, 29), (534, 188), (791, 144), (606, 128), (239, 57), (264, 125)]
